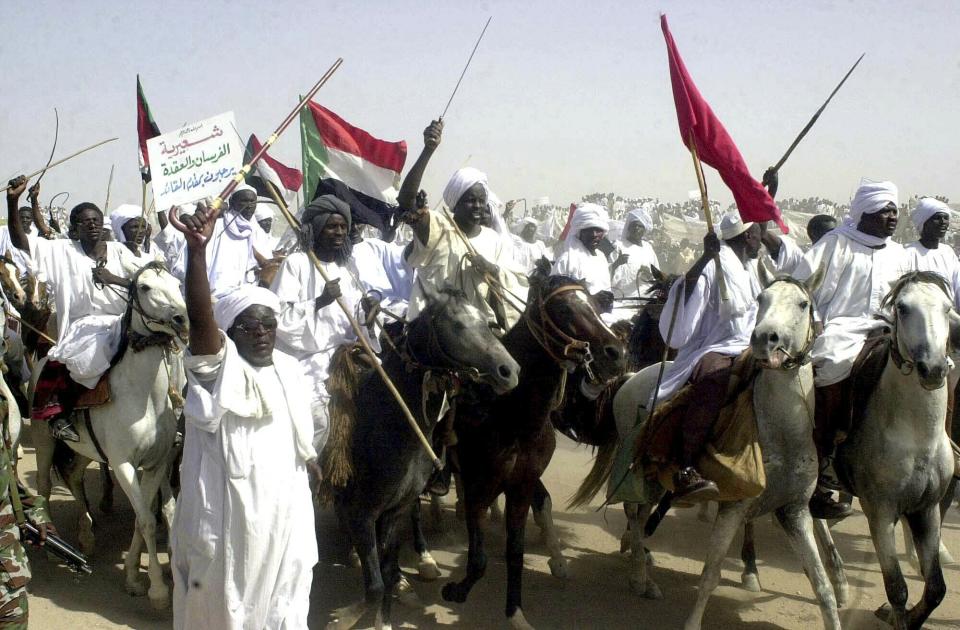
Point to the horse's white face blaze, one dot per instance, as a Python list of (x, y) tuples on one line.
[(158, 293), (783, 324), (922, 322)]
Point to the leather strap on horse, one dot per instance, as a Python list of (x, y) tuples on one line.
[(548, 332)]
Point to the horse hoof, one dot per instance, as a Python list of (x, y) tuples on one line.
[(453, 593), (135, 589), (945, 557), (354, 559), (884, 614), (647, 590), (648, 557), (406, 595), (518, 621), (427, 568), (750, 582), (558, 567), (346, 617), (843, 596), (625, 542), (160, 599)]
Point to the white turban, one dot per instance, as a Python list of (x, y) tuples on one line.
[(872, 197), (588, 215), (529, 221), (465, 179), (642, 215), (241, 188), (120, 215), (227, 308), (926, 208), (263, 212)]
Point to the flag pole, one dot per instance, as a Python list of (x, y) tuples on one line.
[(296, 227), (61, 161), (707, 214)]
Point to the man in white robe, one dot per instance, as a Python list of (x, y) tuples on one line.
[(709, 333), (312, 326), (382, 270), (80, 271), (581, 258), (860, 263), (243, 541), (131, 228), (527, 248), (264, 217), (439, 254), (18, 257), (931, 217), (632, 270)]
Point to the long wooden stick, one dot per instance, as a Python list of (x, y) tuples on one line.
[(295, 226), (62, 160), (707, 214), (30, 326)]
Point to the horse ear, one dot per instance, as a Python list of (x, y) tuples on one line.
[(813, 282), (657, 274), (766, 276)]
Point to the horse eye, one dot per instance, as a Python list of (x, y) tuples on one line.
[(804, 304), (902, 309), (144, 288)]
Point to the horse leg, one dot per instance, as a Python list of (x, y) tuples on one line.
[(389, 566), (543, 517), (729, 518), (883, 533), (945, 503), (797, 523), (106, 489), (518, 504), (73, 476), (364, 536), (750, 578), (476, 556), (436, 513), (131, 564), (640, 581), (426, 567), (925, 527), (137, 491), (834, 562), (43, 444)]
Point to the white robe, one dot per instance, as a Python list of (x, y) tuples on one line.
[(856, 281), (171, 243), (19, 257), (441, 263), (381, 267), (88, 317), (788, 257), (576, 261), (705, 323), (230, 261), (243, 541), (942, 260), (310, 335), (527, 254)]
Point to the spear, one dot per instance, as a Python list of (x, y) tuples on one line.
[(813, 120), (61, 161)]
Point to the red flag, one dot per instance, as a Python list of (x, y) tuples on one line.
[(566, 227), (286, 179), (714, 145), (146, 129)]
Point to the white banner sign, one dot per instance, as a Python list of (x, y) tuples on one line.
[(195, 161)]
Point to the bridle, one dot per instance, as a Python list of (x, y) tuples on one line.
[(904, 364), (561, 347), (437, 359), (803, 355)]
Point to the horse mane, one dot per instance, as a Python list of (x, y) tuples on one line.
[(912, 277)]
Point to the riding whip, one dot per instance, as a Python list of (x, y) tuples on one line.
[(62, 160), (56, 136), (457, 86)]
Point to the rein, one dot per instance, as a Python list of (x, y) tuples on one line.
[(560, 346), (796, 360), (448, 364), (904, 364)]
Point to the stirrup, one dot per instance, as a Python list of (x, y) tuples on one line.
[(827, 477), (62, 429)]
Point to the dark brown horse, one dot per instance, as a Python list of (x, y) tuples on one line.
[(505, 443)]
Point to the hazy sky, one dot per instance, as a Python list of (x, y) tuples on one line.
[(562, 99)]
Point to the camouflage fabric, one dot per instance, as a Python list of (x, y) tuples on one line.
[(14, 567)]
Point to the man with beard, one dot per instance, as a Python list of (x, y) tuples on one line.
[(860, 263)]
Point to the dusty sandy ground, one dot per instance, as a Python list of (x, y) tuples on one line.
[(595, 595)]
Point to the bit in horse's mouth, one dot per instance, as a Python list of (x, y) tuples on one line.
[(775, 359)]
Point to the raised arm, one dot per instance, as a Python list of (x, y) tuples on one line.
[(711, 248), (419, 219), (38, 220), (197, 228), (17, 234)]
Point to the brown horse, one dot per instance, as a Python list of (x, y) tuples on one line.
[(505, 443)]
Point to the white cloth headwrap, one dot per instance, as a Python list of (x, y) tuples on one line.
[(529, 221), (588, 215), (120, 215), (465, 179), (227, 308), (642, 215), (263, 212), (871, 197), (926, 208), (241, 188)]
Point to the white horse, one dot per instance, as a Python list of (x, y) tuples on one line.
[(136, 428), (783, 401), (898, 459)]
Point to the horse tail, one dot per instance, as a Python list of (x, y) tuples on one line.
[(598, 475), (342, 386)]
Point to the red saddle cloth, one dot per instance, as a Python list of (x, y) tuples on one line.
[(54, 379)]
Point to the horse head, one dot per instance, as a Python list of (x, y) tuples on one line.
[(564, 319), (924, 324), (156, 304), (784, 333), (452, 334)]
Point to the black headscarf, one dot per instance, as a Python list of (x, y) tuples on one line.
[(319, 211)]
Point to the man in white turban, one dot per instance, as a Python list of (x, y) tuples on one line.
[(264, 216), (439, 254), (130, 228), (632, 275), (580, 256), (527, 248), (709, 332), (243, 542), (931, 217), (859, 263)]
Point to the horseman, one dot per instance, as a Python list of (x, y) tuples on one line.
[(130, 228), (632, 270), (438, 252), (527, 248), (382, 271), (79, 270), (710, 331), (581, 257), (931, 217), (311, 325), (819, 226), (860, 263), (26, 220)]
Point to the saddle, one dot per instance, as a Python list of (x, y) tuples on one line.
[(55, 378), (732, 457)]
